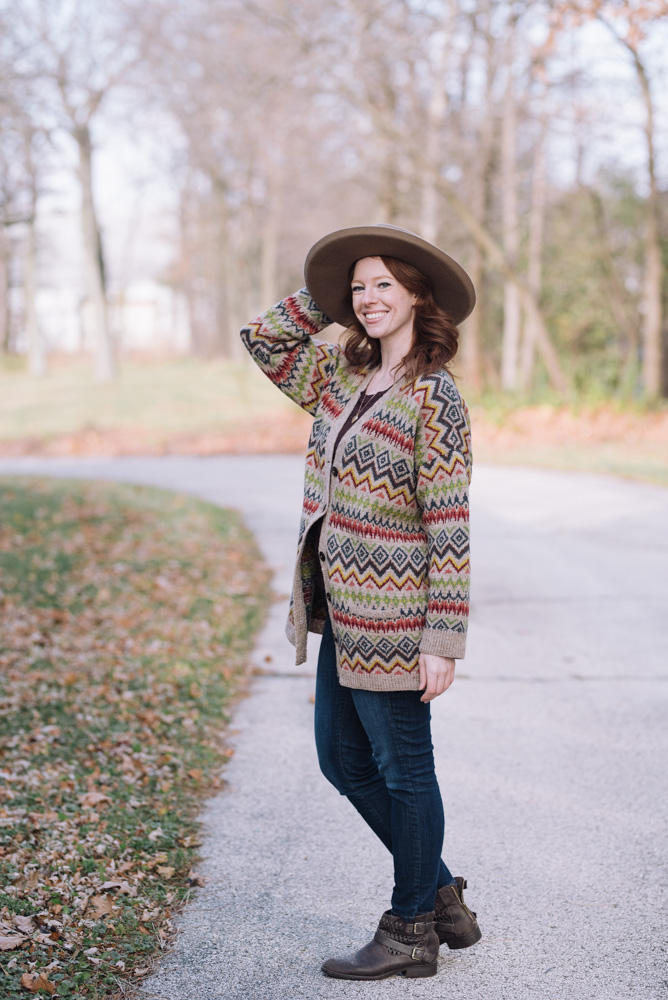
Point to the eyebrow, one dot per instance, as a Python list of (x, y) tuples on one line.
[(378, 277)]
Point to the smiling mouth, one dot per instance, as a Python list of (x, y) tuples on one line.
[(371, 316)]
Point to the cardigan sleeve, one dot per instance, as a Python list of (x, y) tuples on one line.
[(443, 459), (282, 344)]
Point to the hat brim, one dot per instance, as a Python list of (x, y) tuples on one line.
[(328, 263)]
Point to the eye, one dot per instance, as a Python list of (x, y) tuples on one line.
[(357, 288), (383, 284)]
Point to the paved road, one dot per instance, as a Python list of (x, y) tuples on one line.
[(551, 749)]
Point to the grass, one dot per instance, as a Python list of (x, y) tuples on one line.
[(127, 618), (195, 407), (640, 464), (178, 397)]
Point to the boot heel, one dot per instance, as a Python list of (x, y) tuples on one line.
[(462, 941), (421, 971)]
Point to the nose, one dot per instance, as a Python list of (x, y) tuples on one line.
[(369, 295)]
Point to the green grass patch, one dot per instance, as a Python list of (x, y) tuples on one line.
[(127, 618), (184, 396)]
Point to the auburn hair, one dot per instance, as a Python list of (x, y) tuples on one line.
[(435, 336)]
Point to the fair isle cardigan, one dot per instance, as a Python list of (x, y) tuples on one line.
[(394, 542)]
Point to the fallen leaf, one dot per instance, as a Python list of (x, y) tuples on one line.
[(24, 924), (165, 871), (192, 840), (10, 941), (91, 799), (37, 983), (99, 906), (124, 888)]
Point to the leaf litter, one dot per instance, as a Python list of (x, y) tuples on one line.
[(127, 617)]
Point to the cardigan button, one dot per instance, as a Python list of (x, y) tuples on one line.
[(335, 472), (322, 557)]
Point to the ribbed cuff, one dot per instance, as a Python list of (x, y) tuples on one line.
[(442, 642)]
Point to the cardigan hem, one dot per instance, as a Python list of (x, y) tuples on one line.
[(380, 682)]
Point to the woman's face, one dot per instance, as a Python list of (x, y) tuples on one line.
[(382, 305)]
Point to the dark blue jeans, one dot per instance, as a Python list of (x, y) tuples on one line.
[(375, 748)]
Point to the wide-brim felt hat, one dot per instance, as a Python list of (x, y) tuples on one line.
[(328, 263)]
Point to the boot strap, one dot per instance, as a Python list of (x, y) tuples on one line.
[(407, 949)]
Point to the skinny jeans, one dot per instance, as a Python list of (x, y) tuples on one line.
[(375, 748)]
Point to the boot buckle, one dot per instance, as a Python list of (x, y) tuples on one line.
[(417, 954), (419, 929)]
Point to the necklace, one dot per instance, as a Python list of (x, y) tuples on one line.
[(363, 403)]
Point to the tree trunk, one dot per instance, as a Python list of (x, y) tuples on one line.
[(625, 319), (436, 111), (535, 265), (223, 285), (652, 357), (652, 363), (481, 171), (494, 252), (5, 324), (104, 359), (471, 328), (36, 350), (511, 299), (270, 228)]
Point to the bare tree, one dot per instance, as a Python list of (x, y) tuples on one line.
[(628, 23), (511, 235), (36, 346), (73, 56)]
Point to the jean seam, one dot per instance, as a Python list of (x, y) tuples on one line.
[(414, 807)]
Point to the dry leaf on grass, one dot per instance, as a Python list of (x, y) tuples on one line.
[(91, 799), (24, 924), (37, 983), (10, 941), (100, 906), (124, 888)]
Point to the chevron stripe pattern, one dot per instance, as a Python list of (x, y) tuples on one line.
[(394, 542)]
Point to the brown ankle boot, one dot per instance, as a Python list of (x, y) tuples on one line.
[(456, 925), (409, 950)]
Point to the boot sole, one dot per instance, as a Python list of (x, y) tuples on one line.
[(416, 972), (455, 943)]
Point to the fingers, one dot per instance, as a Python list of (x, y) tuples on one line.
[(423, 673), (436, 675)]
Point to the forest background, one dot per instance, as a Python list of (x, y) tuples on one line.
[(166, 165)]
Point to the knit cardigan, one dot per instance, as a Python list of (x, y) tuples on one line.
[(394, 542)]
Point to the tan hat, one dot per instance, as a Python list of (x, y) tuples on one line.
[(328, 263)]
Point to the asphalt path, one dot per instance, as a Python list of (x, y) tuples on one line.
[(551, 750)]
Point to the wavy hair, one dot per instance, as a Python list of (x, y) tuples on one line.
[(435, 336)]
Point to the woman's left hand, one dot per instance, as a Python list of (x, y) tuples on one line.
[(436, 675)]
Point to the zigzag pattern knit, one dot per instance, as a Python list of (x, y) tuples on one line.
[(394, 544)]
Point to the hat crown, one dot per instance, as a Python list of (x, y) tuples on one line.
[(328, 264)]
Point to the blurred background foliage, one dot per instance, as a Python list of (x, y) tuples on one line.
[(166, 165)]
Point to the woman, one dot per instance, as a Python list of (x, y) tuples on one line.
[(382, 568)]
